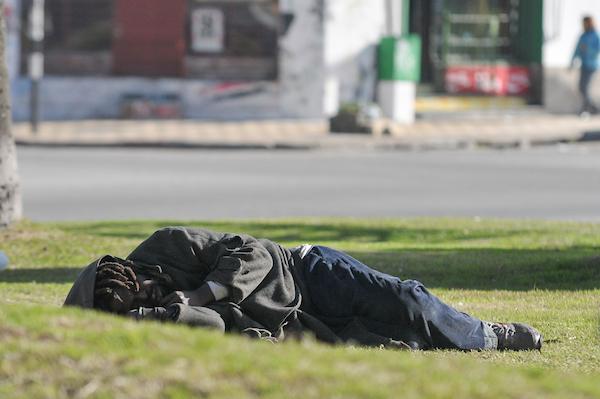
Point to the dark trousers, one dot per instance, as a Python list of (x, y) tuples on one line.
[(342, 289), (585, 78)]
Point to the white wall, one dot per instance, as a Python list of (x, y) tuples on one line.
[(562, 27), (328, 55), (301, 74), (352, 31), (68, 98)]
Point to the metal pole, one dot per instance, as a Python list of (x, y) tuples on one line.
[(389, 14), (396, 13), (36, 59)]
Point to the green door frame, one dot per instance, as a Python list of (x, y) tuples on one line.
[(405, 17)]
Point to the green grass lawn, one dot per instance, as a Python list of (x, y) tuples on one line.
[(546, 274)]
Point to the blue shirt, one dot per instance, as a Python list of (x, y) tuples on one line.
[(588, 48)]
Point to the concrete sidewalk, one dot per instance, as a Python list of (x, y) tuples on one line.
[(511, 130)]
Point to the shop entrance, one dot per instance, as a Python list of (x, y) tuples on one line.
[(489, 48)]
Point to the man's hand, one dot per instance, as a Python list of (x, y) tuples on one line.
[(177, 297), (156, 313), (199, 297)]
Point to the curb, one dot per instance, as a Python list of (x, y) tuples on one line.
[(310, 135), (345, 142), (167, 145)]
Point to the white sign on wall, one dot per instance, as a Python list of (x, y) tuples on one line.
[(207, 30)]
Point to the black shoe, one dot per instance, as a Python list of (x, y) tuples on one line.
[(516, 336)]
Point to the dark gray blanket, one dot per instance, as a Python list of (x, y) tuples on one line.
[(265, 300)]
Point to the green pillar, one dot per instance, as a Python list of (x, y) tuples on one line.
[(405, 17), (530, 37)]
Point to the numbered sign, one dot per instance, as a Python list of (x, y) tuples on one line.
[(208, 30), (481, 79)]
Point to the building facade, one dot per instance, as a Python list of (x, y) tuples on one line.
[(234, 59), (259, 59)]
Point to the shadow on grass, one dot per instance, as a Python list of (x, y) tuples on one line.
[(492, 269), (481, 269), (444, 254), (279, 231), (40, 275)]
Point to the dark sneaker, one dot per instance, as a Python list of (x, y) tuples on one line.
[(516, 336)]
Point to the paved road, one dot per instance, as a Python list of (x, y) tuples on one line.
[(90, 184)]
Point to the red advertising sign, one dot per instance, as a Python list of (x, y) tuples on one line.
[(494, 80)]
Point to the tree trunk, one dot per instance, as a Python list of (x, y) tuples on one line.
[(10, 193)]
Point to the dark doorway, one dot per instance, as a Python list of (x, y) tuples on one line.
[(149, 39), (420, 24)]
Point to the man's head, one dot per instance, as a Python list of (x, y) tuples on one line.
[(116, 287), (119, 288), (588, 23)]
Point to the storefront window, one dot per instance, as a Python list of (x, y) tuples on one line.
[(478, 31), (78, 37), (233, 39), (490, 47), (227, 40)]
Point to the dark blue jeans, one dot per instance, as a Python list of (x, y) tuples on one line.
[(585, 78), (342, 289)]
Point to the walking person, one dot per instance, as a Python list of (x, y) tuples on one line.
[(587, 51)]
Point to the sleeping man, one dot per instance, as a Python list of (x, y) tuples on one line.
[(237, 283)]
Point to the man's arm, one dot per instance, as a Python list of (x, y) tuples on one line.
[(196, 316), (241, 265), (237, 262), (596, 45), (198, 297), (576, 53)]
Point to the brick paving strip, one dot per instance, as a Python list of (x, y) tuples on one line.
[(308, 134)]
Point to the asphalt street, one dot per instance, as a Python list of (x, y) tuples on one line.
[(558, 182)]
